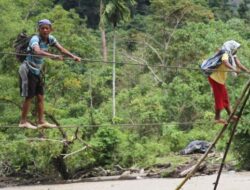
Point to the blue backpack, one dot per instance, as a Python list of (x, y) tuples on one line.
[(212, 63)]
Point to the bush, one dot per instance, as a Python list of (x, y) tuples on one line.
[(141, 151), (106, 141), (242, 149), (27, 158), (174, 138)]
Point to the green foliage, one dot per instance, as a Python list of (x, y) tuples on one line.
[(140, 151), (116, 11), (241, 148), (241, 143), (174, 138), (197, 41), (106, 141), (27, 158), (244, 11), (223, 10)]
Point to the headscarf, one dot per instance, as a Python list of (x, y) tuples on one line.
[(231, 47)]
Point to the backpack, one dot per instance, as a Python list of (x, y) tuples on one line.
[(212, 63), (21, 45)]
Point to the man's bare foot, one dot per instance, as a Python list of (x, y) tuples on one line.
[(46, 124), (220, 121), (27, 125)]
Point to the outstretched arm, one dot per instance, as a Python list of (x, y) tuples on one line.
[(242, 67), (38, 51), (228, 65), (66, 52)]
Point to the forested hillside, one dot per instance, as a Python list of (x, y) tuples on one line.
[(150, 51)]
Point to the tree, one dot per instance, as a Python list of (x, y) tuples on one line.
[(244, 11), (168, 17), (103, 33), (223, 10), (88, 9), (114, 12)]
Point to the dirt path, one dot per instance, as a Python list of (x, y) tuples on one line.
[(229, 181)]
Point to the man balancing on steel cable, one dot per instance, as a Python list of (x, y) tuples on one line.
[(31, 83), (217, 68)]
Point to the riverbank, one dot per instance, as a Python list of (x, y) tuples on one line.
[(174, 166)]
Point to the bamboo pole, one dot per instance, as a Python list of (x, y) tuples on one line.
[(230, 140), (191, 173)]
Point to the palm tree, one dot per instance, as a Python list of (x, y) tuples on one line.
[(112, 12)]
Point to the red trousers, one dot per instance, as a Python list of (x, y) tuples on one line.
[(220, 94)]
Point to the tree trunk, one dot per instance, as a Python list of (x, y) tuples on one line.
[(103, 34), (104, 46)]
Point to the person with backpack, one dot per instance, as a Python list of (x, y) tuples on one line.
[(217, 68), (30, 71)]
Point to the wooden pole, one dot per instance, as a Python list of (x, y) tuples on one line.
[(191, 173), (230, 139)]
